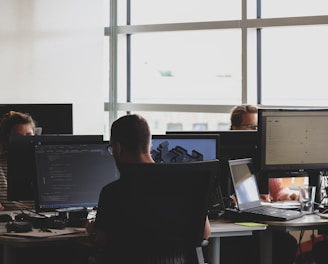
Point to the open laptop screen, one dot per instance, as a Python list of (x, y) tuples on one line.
[(244, 181)]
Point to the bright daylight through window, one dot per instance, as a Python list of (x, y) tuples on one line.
[(184, 64)]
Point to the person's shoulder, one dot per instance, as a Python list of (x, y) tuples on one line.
[(111, 186)]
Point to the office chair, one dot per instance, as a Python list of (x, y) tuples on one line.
[(161, 212)]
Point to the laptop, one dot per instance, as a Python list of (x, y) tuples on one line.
[(248, 197)]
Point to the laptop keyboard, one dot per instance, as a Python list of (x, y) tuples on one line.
[(263, 213), (271, 213)]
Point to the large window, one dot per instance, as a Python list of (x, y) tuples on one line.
[(184, 64)]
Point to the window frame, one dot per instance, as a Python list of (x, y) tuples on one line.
[(244, 24)]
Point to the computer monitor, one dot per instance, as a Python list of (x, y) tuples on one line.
[(169, 148), (294, 142), (71, 176), (177, 148), (52, 118), (293, 139), (234, 144), (21, 162)]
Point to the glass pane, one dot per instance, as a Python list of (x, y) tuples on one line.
[(175, 11), (160, 122), (198, 67), (293, 8), (251, 9), (294, 66)]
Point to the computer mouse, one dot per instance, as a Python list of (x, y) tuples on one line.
[(5, 218)]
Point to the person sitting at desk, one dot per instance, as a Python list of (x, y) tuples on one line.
[(130, 143), (245, 117), (11, 124)]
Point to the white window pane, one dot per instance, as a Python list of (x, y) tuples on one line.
[(294, 66), (175, 11), (293, 8), (251, 9), (186, 67), (160, 122)]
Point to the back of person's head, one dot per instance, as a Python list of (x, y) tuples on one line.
[(11, 120), (132, 132), (238, 112)]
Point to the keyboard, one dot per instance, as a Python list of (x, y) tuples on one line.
[(262, 213)]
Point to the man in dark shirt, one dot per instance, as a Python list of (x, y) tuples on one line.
[(130, 142)]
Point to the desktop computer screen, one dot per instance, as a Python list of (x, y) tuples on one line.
[(181, 148), (21, 161), (293, 139), (184, 148), (234, 144), (294, 143), (71, 176)]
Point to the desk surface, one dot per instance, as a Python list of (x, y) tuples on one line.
[(221, 227), (30, 241), (306, 222)]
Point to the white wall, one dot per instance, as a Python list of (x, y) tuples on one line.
[(52, 51)]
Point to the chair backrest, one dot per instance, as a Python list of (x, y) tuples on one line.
[(165, 204)]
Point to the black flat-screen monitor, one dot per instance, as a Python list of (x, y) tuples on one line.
[(294, 143), (52, 118), (21, 162), (181, 148), (293, 139), (234, 144), (71, 176), (184, 148)]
